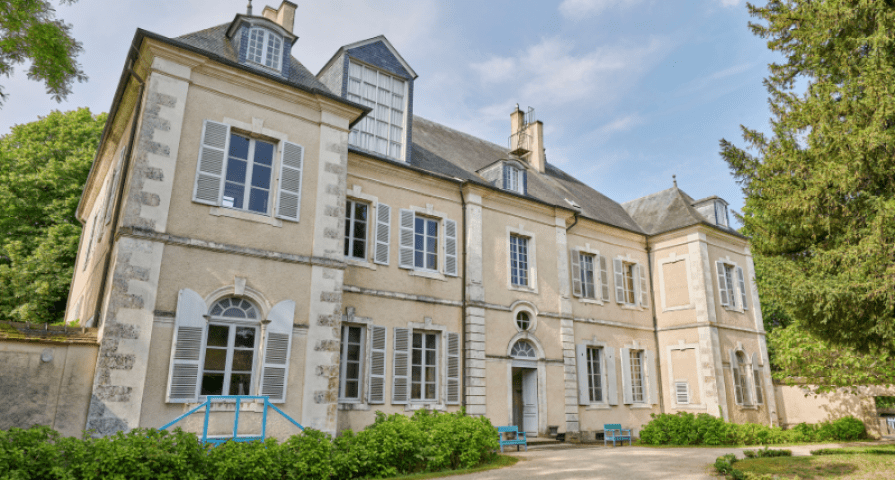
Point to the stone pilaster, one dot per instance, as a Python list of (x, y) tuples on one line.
[(474, 349), (709, 344), (567, 328), (769, 397), (126, 328)]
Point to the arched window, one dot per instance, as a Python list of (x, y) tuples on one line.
[(523, 349), (265, 48), (523, 321), (740, 376), (230, 345)]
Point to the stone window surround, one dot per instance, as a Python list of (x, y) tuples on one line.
[(598, 279), (540, 365), (627, 259), (428, 326), (749, 380), (256, 130), (532, 260), (430, 212), (699, 376), (738, 296), (674, 258), (355, 194), (530, 309), (604, 405), (350, 319), (647, 372)]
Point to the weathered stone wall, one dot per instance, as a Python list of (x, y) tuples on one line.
[(796, 404)]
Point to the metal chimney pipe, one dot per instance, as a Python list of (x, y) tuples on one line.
[(249, 8)]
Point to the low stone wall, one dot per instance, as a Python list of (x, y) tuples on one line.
[(795, 404), (46, 376)]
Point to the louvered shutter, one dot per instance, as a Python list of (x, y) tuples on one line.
[(581, 359), (453, 369), (619, 280), (376, 393), (186, 348), (383, 233), (506, 176), (756, 380), (644, 287), (650, 358), (682, 393), (289, 192), (401, 367), (212, 159), (722, 283), (112, 190), (405, 254), (576, 272), (524, 182), (742, 282), (735, 376), (277, 351), (450, 248), (604, 278), (627, 387), (611, 379)]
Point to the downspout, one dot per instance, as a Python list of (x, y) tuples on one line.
[(573, 223), (649, 263), (463, 298), (119, 196)]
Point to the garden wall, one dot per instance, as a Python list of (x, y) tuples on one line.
[(795, 405), (46, 376)]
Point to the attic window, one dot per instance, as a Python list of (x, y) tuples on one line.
[(265, 48), (514, 179), (382, 131), (721, 214)]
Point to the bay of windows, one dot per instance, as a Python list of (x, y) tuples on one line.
[(423, 366), (350, 366), (425, 254), (249, 174), (356, 221), (265, 48), (519, 260), (382, 131)]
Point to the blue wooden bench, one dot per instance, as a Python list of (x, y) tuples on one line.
[(614, 432), (518, 438)]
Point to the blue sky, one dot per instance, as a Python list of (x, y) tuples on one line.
[(630, 91)]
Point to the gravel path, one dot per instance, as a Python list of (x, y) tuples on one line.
[(620, 463)]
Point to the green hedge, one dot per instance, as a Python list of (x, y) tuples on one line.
[(704, 429), (393, 445)]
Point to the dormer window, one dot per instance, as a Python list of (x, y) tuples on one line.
[(382, 131), (514, 179), (721, 214), (265, 48)]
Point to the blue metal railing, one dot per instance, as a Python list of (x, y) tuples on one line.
[(237, 399)]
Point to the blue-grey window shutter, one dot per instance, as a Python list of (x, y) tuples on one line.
[(506, 176), (524, 182), (376, 393), (453, 369)]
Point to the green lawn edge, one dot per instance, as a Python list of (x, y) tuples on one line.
[(770, 445), (500, 461)]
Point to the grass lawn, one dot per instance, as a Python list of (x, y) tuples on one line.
[(499, 461), (772, 445), (876, 462)]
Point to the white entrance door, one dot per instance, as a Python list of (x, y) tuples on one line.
[(530, 401)]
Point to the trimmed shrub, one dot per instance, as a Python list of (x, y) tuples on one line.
[(766, 453)]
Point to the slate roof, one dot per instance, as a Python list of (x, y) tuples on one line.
[(214, 40), (668, 210)]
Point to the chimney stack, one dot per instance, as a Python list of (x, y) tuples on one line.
[(284, 16), (525, 124)]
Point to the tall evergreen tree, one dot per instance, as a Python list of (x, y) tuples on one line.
[(820, 189), (43, 167)]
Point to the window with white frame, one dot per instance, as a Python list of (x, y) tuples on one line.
[(514, 179), (382, 131), (759, 391), (230, 345), (588, 285), (356, 221), (731, 291), (595, 374), (249, 174), (519, 260), (740, 379), (524, 350), (424, 366), (351, 364), (425, 251), (629, 270), (265, 48), (636, 358), (721, 214), (523, 320)]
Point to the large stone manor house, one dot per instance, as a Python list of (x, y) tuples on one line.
[(252, 228)]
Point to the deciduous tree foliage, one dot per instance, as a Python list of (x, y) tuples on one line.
[(29, 32), (820, 189), (43, 168)]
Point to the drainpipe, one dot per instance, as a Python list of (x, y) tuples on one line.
[(119, 197), (573, 223), (463, 298), (649, 263)]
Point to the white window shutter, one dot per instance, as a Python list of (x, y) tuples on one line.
[(376, 392), (401, 367), (383, 233), (186, 348), (453, 369), (650, 358), (735, 373), (682, 393), (581, 359), (627, 387), (405, 255), (212, 161), (289, 191), (576, 272), (450, 248), (619, 280), (757, 387), (742, 282), (722, 283), (611, 379), (644, 286), (277, 351), (604, 278)]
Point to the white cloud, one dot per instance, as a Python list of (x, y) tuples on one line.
[(495, 69), (730, 3), (621, 124), (576, 9)]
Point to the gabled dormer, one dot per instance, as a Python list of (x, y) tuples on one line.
[(508, 174), (265, 42), (372, 73), (714, 209)]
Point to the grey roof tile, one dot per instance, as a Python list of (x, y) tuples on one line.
[(668, 210)]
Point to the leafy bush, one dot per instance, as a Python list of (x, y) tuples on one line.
[(393, 445), (687, 429), (853, 451), (767, 452)]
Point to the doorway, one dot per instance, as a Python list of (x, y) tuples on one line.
[(525, 400)]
